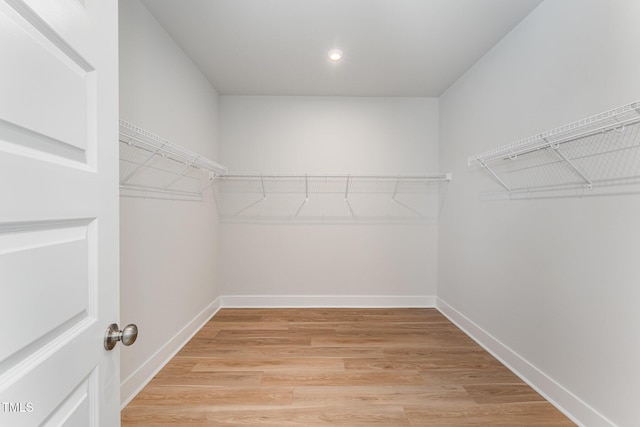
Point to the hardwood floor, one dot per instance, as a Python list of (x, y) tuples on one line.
[(336, 367)]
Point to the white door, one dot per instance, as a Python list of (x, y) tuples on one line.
[(58, 212)]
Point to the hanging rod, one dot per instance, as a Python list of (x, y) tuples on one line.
[(405, 177)]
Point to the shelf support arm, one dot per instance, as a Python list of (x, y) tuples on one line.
[(346, 197), (141, 165), (210, 181), (247, 207), (556, 148), (304, 202), (395, 189), (486, 166), (306, 187), (179, 175), (346, 191), (306, 195), (415, 211)]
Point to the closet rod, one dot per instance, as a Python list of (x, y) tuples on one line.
[(425, 177)]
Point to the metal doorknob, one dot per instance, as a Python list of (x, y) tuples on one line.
[(127, 335)]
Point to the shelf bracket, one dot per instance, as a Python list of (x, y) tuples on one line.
[(353, 214), (306, 194), (346, 191), (247, 207), (143, 164), (212, 178), (301, 206), (395, 189), (415, 211), (346, 197), (180, 175), (556, 148), (486, 166)]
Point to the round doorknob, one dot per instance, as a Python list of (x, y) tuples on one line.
[(127, 335)]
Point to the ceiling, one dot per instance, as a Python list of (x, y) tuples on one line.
[(391, 47)]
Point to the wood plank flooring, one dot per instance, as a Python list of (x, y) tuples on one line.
[(336, 367)]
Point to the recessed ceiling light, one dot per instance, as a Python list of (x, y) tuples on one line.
[(335, 55)]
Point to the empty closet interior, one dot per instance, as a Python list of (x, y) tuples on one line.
[(507, 198)]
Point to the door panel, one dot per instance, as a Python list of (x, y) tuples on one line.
[(58, 212), (76, 409), (49, 71), (46, 77), (45, 270)]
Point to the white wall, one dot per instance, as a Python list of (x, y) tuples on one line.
[(325, 264), (552, 286), (168, 248)]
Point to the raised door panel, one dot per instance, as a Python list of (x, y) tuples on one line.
[(50, 109), (45, 272)]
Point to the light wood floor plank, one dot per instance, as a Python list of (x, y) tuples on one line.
[(279, 365), (336, 367)]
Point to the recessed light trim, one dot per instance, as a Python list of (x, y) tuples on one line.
[(335, 55)]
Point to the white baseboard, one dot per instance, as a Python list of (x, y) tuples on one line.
[(568, 403), (132, 385), (328, 301)]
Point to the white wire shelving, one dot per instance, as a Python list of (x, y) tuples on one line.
[(590, 156), (330, 198), (153, 167)]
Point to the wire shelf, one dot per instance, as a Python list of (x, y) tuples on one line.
[(330, 198), (151, 166), (600, 152)]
